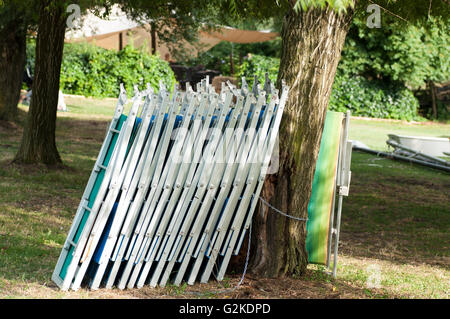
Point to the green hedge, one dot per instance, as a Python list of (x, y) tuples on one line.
[(363, 97), (373, 98), (93, 71)]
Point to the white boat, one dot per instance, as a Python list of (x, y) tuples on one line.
[(431, 146)]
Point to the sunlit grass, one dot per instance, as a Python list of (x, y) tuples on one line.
[(374, 132), (394, 223)]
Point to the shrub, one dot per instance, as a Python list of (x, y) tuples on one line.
[(412, 54), (258, 65), (93, 71), (363, 97), (373, 98)]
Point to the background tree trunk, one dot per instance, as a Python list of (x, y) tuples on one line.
[(433, 99), (38, 140), (311, 46), (12, 64), (153, 37)]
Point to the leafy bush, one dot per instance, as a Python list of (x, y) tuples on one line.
[(258, 65), (413, 54), (218, 57), (93, 71), (373, 98), (363, 97)]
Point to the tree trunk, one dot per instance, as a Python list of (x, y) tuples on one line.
[(311, 47), (433, 99), (12, 64), (231, 64), (38, 140), (153, 37), (120, 41)]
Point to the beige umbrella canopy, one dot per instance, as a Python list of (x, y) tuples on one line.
[(238, 36), (139, 36)]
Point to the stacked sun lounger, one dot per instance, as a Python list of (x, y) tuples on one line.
[(176, 182)]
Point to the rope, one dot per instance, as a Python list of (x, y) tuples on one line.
[(247, 257), (248, 250), (280, 212), (243, 273)]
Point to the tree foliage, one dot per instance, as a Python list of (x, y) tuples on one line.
[(22, 13), (380, 67), (363, 97), (175, 22), (92, 71), (259, 65), (402, 9), (413, 55)]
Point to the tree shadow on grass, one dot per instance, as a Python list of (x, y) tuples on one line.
[(398, 213), (24, 258), (383, 218)]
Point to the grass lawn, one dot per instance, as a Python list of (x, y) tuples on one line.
[(394, 236), (374, 132)]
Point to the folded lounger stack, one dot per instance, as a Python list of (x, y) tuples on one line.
[(174, 187)]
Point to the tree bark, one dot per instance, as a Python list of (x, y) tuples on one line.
[(153, 37), (433, 99), (38, 141), (231, 64), (12, 64), (311, 47)]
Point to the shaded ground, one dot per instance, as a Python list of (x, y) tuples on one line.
[(395, 221), (402, 216)]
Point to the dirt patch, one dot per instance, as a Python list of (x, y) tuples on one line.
[(253, 288), (306, 287), (8, 126), (407, 182), (81, 131), (36, 168)]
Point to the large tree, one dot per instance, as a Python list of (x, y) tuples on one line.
[(15, 20), (38, 140), (312, 39), (313, 35)]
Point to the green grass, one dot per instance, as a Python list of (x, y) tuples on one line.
[(396, 219), (89, 106), (374, 132)]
